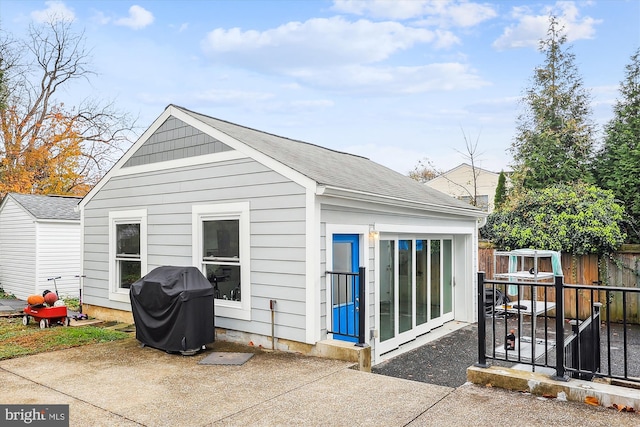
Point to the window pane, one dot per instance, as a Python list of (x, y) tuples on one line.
[(221, 238), (447, 277), (422, 283), (405, 284), (342, 262), (128, 272), (387, 289), (225, 280), (128, 237), (435, 279)]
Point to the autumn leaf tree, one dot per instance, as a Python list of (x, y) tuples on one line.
[(45, 146)]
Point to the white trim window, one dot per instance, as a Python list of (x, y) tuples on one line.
[(221, 242), (127, 251)]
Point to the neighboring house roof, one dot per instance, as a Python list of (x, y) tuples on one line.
[(334, 171), (468, 166), (48, 207)]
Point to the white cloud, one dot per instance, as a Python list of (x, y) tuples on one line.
[(440, 13), (445, 39), (180, 28), (231, 96), (398, 9), (100, 18), (316, 43), (316, 54), (138, 18), (312, 104), (469, 14), (381, 81), (55, 11), (532, 27)]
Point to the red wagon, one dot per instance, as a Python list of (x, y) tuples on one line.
[(46, 316)]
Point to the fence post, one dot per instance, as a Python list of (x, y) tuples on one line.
[(559, 287), (595, 330), (482, 327), (362, 304)]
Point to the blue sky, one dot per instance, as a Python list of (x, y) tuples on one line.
[(395, 81)]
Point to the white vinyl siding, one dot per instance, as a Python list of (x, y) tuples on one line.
[(32, 251), (59, 256), (17, 250), (277, 240)]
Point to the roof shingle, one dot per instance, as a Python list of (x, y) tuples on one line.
[(49, 207), (334, 168)]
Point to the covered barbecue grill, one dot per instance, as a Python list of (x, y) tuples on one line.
[(173, 309)]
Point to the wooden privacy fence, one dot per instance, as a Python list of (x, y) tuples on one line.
[(621, 270)]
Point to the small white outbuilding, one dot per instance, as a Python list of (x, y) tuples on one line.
[(283, 230), (39, 240)]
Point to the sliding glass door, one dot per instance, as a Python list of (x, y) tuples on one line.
[(415, 288)]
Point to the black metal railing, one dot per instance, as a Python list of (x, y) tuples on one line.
[(348, 297), (561, 326), (582, 347)]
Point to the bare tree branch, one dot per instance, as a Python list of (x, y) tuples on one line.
[(39, 135)]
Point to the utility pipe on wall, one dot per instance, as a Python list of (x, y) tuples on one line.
[(272, 306)]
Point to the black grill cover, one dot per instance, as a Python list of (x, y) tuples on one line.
[(173, 309)]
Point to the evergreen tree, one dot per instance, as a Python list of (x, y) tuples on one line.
[(554, 139), (501, 192), (618, 163)]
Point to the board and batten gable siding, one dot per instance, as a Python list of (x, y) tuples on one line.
[(17, 250), (277, 229), (58, 256)]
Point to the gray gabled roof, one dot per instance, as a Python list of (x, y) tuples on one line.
[(48, 207), (335, 169)]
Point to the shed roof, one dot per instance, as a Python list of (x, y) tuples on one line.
[(333, 168), (48, 207)]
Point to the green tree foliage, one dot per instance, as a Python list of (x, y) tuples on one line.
[(618, 163), (577, 219), (554, 139), (501, 192)]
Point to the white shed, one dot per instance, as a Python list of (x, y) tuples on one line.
[(39, 240)]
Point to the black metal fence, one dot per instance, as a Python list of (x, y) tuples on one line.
[(582, 347), (532, 324), (349, 300)]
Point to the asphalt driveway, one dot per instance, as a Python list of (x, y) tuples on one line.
[(442, 362)]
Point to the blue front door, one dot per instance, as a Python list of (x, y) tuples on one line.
[(345, 288)]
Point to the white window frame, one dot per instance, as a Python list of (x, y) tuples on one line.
[(138, 216), (226, 211)]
